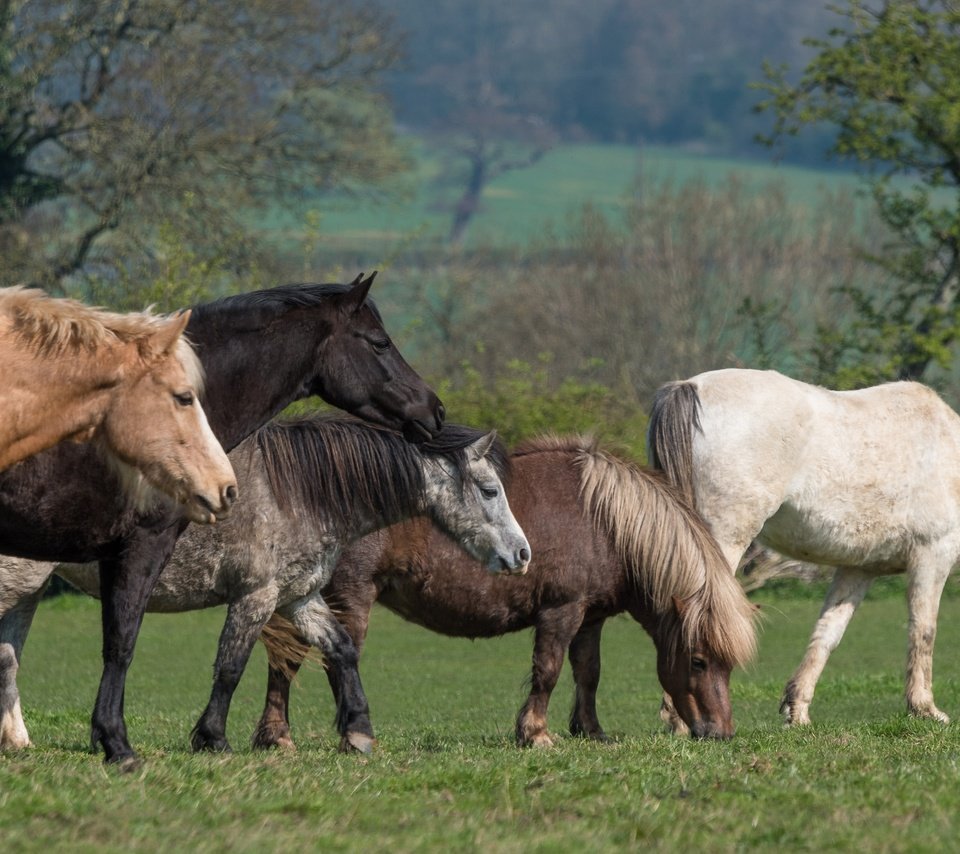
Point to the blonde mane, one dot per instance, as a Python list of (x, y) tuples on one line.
[(667, 548), (54, 327)]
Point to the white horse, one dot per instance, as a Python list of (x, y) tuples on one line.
[(865, 481), (309, 488)]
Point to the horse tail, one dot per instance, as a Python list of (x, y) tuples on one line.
[(674, 418), (286, 649), (671, 554)]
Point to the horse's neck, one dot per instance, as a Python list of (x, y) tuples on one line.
[(45, 400), (252, 372)]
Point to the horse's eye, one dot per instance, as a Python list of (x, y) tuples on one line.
[(699, 665), (380, 346), (184, 398), (489, 492)]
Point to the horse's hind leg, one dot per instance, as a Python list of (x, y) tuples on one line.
[(14, 626), (285, 653), (312, 617), (556, 628), (846, 592), (246, 618), (924, 588), (584, 656)]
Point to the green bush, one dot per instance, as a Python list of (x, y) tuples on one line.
[(522, 401)]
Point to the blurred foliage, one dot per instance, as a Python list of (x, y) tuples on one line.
[(612, 70), (521, 402), (888, 80), (111, 113)]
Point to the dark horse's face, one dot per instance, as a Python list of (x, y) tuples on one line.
[(363, 372), (699, 686)]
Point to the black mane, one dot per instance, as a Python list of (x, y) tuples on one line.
[(282, 296), (337, 467)]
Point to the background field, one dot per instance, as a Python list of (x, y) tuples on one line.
[(518, 206), (446, 775)]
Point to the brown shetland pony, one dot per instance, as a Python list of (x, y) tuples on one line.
[(130, 381), (607, 537)]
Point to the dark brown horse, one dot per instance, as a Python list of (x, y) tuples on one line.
[(607, 537)]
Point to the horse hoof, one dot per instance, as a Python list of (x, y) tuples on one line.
[(357, 742), (125, 764), (13, 742), (268, 741), (214, 747), (933, 714), (539, 739), (211, 745)]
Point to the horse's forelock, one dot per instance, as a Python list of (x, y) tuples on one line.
[(191, 364), (672, 556), (454, 439)]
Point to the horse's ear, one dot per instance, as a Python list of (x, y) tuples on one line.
[(480, 448), (680, 605), (357, 295), (162, 341)]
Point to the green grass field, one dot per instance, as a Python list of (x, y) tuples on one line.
[(446, 775), (519, 205)]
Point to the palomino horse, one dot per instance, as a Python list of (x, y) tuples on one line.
[(860, 480), (260, 351), (131, 381), (308, 488), (607, 537)]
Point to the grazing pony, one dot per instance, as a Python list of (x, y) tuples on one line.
[(308, 488), (130, 381), (866, 481), (260, 351), (607, 537)]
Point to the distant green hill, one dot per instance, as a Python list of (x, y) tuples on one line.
[(521, 204)]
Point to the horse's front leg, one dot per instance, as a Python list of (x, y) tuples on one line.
[(246, 618), (313, 619), (846, 592), (126, 583), (924, 588), (584, 657), (14, 627), (555, 629)]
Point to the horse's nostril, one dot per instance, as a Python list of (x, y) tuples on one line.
[(441, 414), (231, 494), (524, 556)]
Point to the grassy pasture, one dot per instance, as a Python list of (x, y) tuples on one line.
[(519, 205), (446, 775)]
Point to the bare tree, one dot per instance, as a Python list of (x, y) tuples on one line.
[(491, 143), (119, 116)]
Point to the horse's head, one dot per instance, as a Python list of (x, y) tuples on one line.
[(361, 371), (699, 686), (470, 505), (156, 425), (695, 677)]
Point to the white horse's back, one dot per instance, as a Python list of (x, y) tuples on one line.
[(835, 477), (866, 481)]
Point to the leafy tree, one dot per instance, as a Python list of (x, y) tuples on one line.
[(119, 116), (888, 79)]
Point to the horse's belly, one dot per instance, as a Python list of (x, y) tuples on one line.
[(460, 612), (861, 539)]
